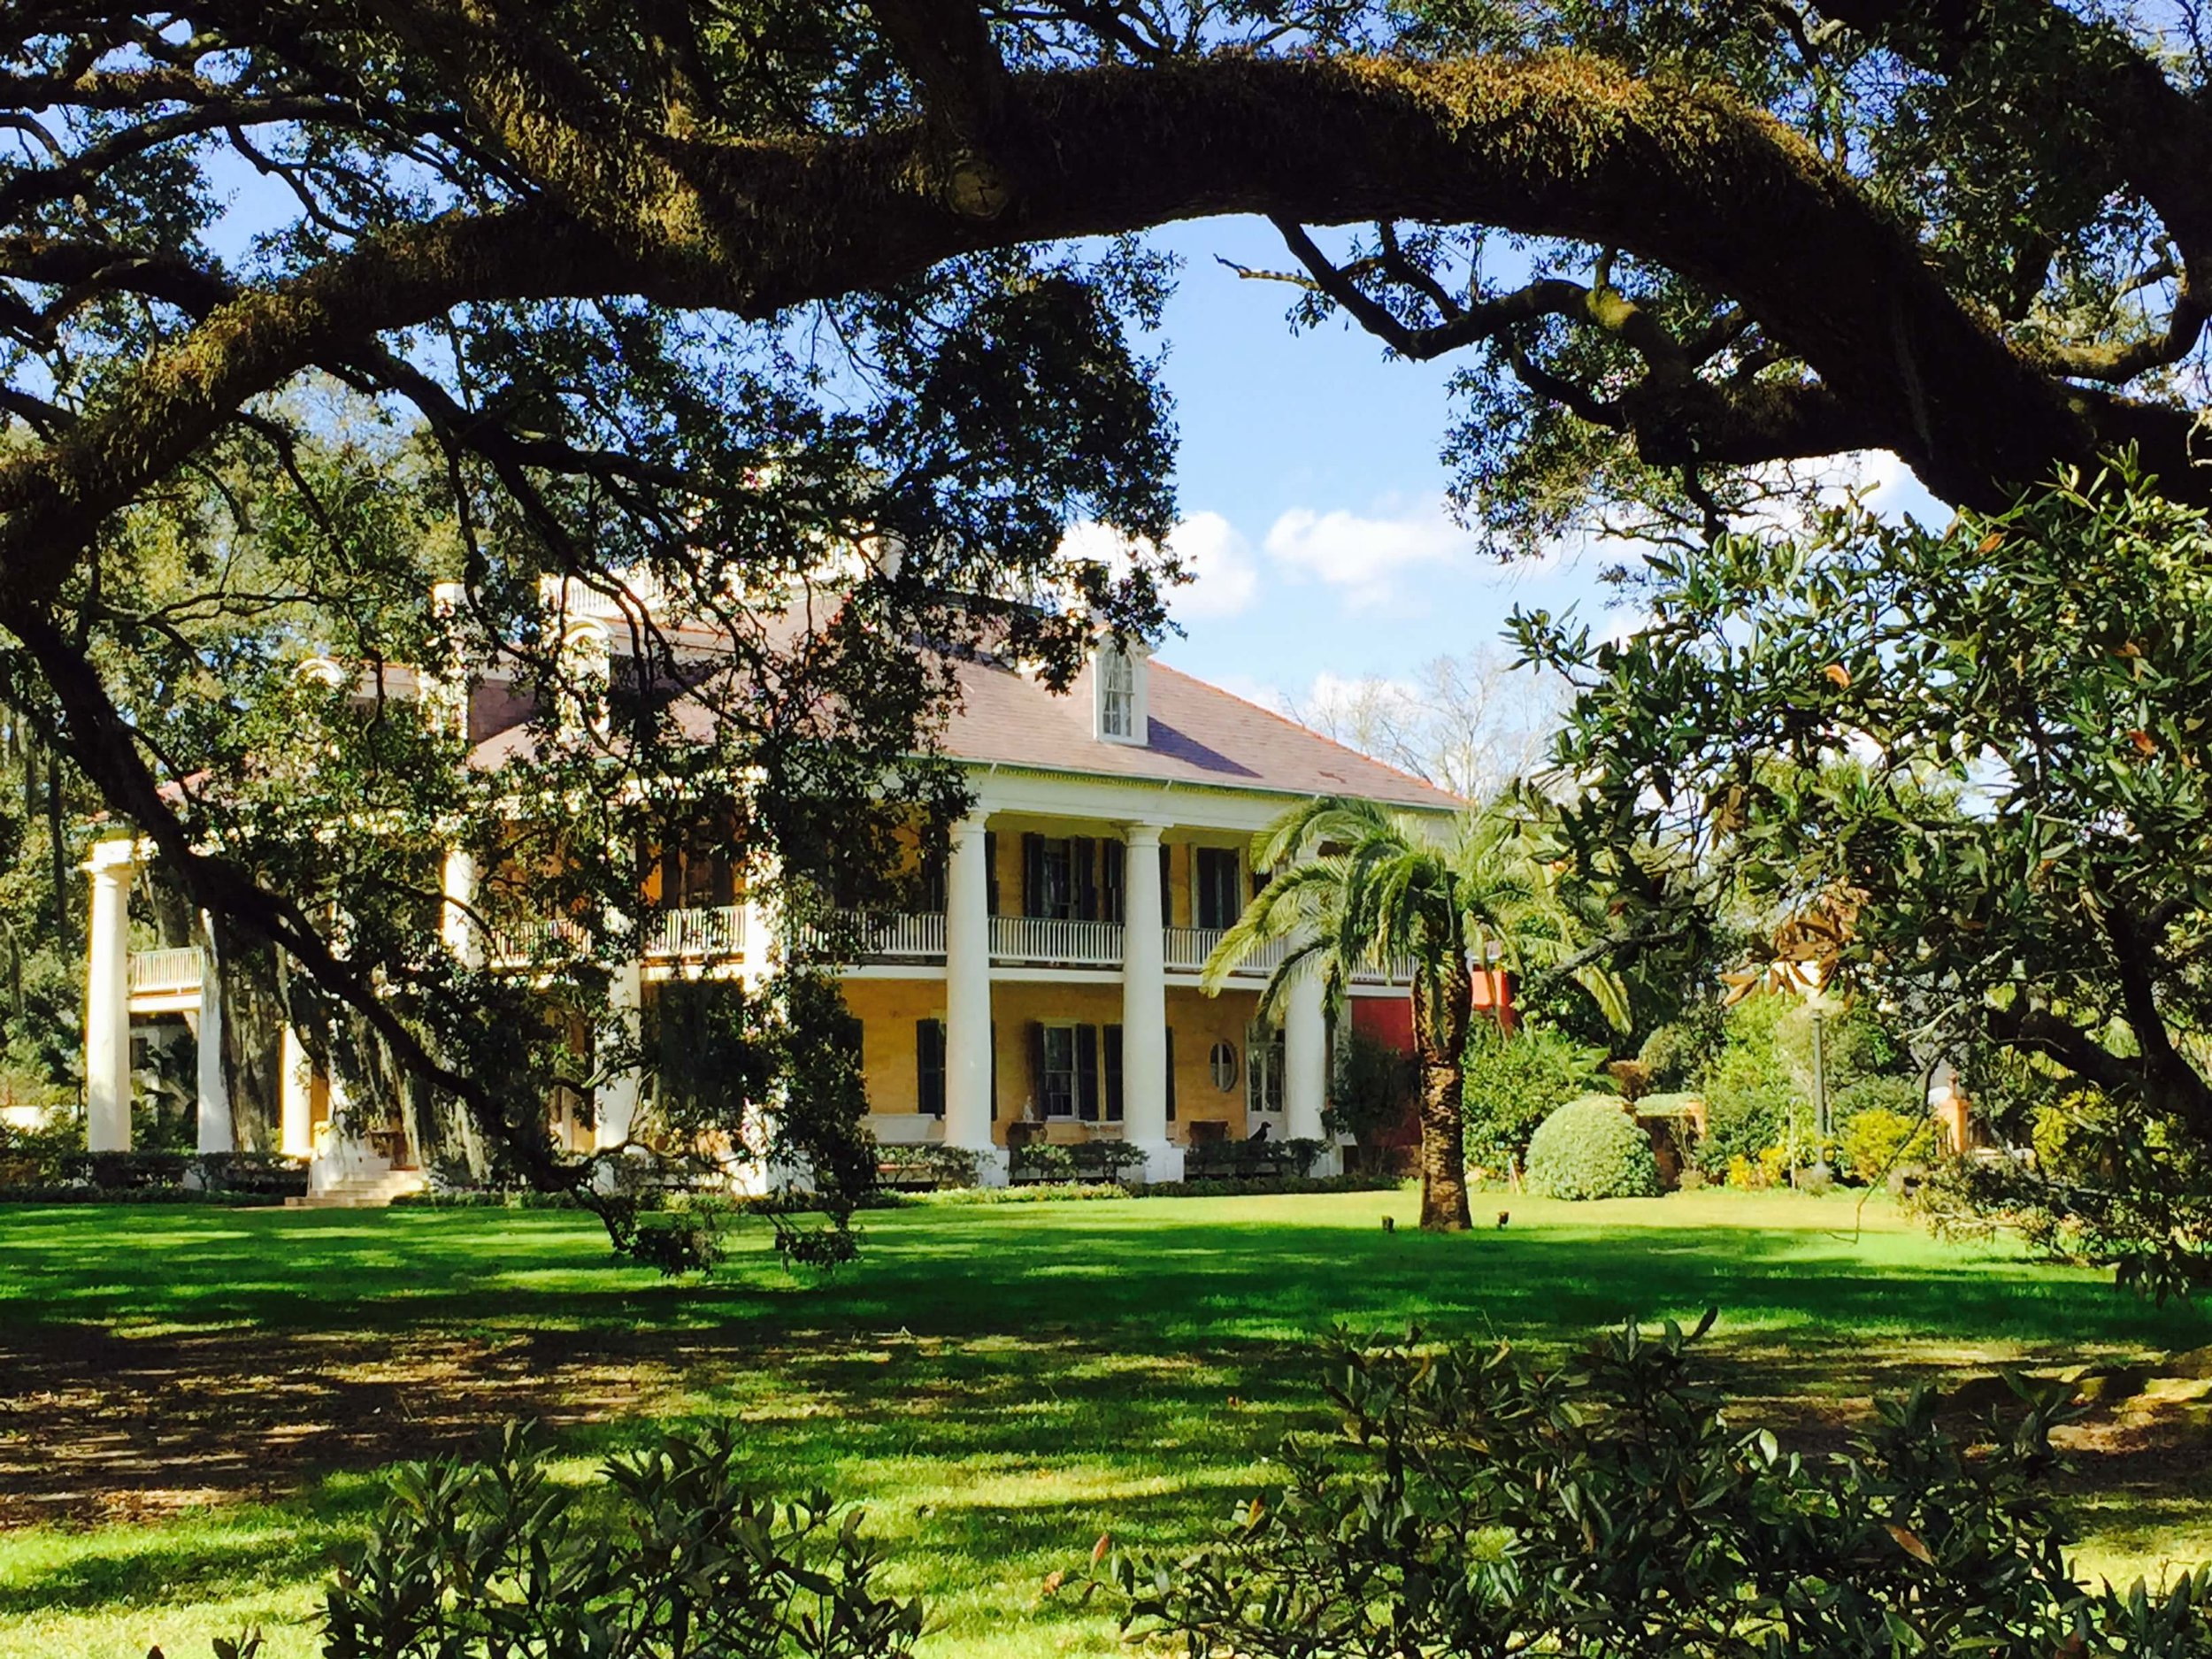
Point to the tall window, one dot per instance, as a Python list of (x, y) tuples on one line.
[(1078, 1071), (1263, 1068), (1060, 876), (1056, 1075), (1217, 887), (1117, 694)]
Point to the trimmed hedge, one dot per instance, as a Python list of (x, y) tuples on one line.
[(1591, 1147), (1085, 1163), (78, 1194), (245, 1178)]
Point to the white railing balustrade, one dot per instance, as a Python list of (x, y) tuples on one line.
[(1188, 948), (701, 934), (162, 972), (692, 935), (885, 935), (1055, 941), (907, 934), (546, 940)]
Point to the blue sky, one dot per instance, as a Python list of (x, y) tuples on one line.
[(1312, 494)]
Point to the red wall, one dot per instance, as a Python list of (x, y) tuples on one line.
[(1390, 1019)]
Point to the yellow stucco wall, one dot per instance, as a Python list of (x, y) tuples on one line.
[(888, 1009), (1199, 1022)]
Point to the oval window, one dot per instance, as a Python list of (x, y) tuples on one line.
[(1223, 1061)]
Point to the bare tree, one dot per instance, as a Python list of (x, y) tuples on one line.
[(1469, 723)]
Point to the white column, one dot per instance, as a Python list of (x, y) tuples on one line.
[(214, 1089), (296, 1097), (1306, 1064), (968, 1000), (457, 920), (614, 1106), (107, 1012), (1144, 1008)]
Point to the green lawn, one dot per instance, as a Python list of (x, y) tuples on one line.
[(195, 1398)]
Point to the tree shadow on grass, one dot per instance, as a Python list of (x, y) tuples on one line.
[(180, 1357)]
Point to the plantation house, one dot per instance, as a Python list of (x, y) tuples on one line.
[(1046, 986)]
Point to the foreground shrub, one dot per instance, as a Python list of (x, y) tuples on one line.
[(1592, 1149), (668, 1557), (1472, 1503)]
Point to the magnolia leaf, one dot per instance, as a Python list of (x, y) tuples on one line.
[(1910, 1542)]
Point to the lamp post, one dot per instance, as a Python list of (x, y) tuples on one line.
[(1820, 1099), (1810, 978)]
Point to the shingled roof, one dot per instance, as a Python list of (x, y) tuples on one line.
[(1199, 733)]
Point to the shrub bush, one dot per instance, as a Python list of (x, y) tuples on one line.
[(1513, 1081), (268, 1174), (1474, 1502), (1748, 1088), (1086, 1161), (671, 1556), (1878, 1137), (1591, 1147), (925, 1166), (1374, 1087)]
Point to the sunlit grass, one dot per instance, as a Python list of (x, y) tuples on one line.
[(998, 1385)]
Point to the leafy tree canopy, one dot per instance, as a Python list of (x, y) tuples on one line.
[(1985, 749)]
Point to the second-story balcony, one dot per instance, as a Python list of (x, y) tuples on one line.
[(890, 939), (709, 934), (167, 972), (917, 937)]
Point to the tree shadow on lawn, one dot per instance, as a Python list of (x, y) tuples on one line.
[(161, 1359)]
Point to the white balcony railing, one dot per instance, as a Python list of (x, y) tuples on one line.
[(696, 934), (884, 935), (164, 973), (1188, 948), (908, 935), (540, 943), (1052, 942)]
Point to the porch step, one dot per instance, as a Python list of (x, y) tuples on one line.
[(362, 1192)]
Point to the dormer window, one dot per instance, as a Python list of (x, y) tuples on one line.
[(1119, 677)]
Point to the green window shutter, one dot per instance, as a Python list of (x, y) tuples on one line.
[(1167, 886), (1037, 1064), (1032, 874), (929, 1067), (1083, 875), (1086, 1073), (990, 872), (1171, 1074), (1113, 904), (1110, 1041)]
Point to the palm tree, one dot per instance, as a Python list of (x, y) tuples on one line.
[(1358, 885)]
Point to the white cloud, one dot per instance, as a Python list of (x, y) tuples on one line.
[(1365, 555), (1620, 624), (1224, 576)]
